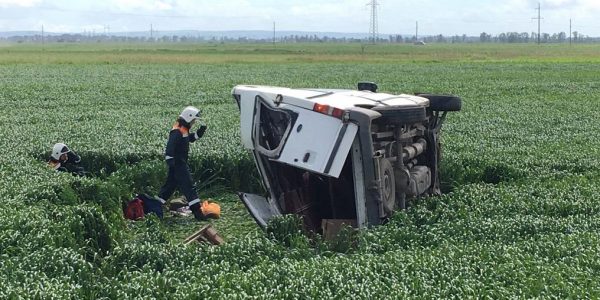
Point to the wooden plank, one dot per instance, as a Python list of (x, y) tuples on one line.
[(213, 236), (206, 234), (196, 234)]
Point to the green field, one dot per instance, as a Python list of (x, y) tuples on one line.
[(521, 168)]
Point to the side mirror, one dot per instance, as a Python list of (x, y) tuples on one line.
[(367, 86), (237, 100)]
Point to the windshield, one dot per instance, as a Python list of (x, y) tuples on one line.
[(272, 128)]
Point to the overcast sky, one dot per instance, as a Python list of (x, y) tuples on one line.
[(447, 17)]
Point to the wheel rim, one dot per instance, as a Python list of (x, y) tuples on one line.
[(387, 186), (388, 196)]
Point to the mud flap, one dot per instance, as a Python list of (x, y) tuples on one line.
[(260, 208)]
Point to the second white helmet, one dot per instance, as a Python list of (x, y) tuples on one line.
[(190, 113), (58, 150)]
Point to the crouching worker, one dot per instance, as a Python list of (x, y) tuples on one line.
[(176, 156), (65, 160)]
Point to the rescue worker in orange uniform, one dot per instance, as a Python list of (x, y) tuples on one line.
[(176, 156)]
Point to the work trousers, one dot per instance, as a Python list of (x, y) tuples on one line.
[(179, 177)]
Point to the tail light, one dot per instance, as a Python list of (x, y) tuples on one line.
[(328, 110)]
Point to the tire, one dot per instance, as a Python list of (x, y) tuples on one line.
[(388, 183), (443, 102), (402, 182), (401, 115)]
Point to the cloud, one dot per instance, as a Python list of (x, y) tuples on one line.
[(564, 5), (560, 4), (593, 5), (132, 5), (434, 16), (19, 3)]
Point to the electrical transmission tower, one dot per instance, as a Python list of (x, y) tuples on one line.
[(417, 31), (539, 19), (373, 27), (570, 32)]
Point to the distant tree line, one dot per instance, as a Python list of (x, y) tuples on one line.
[(508, 37), (524, 37), (75, 38)]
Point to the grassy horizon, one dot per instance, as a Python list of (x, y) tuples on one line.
[(213, 53)]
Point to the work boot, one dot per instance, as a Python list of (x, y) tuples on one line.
[(197, 212), (183, 211), (179, 203)]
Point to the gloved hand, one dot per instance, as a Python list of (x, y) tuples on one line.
[(73, 157), (200, 131)]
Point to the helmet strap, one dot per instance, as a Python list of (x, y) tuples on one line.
[(183, 123)]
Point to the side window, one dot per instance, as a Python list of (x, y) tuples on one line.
[(272, 127)]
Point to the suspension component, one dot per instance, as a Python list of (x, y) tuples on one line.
[(414, 150)]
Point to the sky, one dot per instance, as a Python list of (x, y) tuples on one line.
[(447, 17)]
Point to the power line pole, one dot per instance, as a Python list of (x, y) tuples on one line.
[(417, 32), (373, 28), (42, 36), (570, 32), (273, 33), (539, 19), (151, 37)]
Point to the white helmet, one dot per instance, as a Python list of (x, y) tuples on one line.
[(190, 114), (58, 150)]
